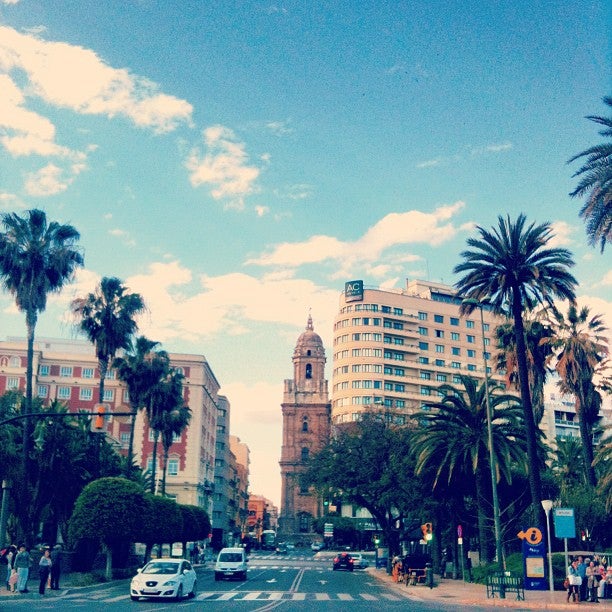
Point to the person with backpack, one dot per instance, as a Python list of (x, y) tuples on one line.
[(22, 564)]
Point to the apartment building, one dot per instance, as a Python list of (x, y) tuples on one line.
[(393, 348), (241, 460), (67, 370)]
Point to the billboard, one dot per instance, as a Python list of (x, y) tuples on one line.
[(353, 291)]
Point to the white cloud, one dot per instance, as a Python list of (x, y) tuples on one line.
[(9, 202), (224, 167), (10, 1), (124, 236), (393, 230), (46, 181), (279, 128), (561, 234), (430, 163), (606, 280), (492, 148), (261, 211), (90, 86)]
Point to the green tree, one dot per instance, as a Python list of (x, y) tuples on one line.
[(110, 511), (37, 258), (141, 369), (452, 441), (106, 317), (196, 524), (579, 348), (513, 269), (368, 463), (596, 184), (537, 355), (162, 525)]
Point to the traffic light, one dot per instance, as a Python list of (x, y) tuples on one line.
[(427, 530), (97, 420)]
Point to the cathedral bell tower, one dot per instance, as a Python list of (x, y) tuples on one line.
[(306, 425)]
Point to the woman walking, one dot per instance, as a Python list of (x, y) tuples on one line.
[(44, 569), (574, 582)]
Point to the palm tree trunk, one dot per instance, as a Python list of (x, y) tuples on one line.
[(483, 532), (109, 562), (535, 483), (130, 453), (27, 425), (103, 367), (154, 460), (587, 442), (165, 465)]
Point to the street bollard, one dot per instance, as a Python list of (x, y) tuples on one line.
[(429, 575)]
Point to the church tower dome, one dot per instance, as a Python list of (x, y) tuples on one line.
[(308, 358)]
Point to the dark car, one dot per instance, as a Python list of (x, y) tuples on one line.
[(282, 549), (343, 561)]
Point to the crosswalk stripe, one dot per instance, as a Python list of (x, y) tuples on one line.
[(367, 596), (253, 595), (345, 597), (322, 596)]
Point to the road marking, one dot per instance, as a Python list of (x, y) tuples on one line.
[(322, 597), (367, 597), (345, 597), (390, 597), (253, 595), (228, 596)]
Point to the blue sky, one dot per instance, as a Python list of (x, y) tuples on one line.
[(237, 162)]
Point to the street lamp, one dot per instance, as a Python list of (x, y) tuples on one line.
[(6, 485), (496, 522), (547, 505)]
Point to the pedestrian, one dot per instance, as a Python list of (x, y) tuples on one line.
[(22, 565), (44, 569), (10, 560), (574, 582), (12, 583), (56, 566), (583, 563), (592, 576)]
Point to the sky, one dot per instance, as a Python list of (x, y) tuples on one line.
[(236, 162)]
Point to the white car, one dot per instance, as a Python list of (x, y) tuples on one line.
[(164, 579), (316, 546), (359, 561)]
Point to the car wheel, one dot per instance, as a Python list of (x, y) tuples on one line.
[(244, 575), (217, 577), (134, 598), (194, 590), (179, 593)]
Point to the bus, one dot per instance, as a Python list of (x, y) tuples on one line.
[(268, 539)]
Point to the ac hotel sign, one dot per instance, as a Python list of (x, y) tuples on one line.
[(353, 291)]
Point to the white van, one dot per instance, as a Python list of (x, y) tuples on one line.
[(231, 562)]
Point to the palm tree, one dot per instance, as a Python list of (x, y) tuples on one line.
[(566, 461), (537, 355), (596, 184), (602, 460), (37, 258), (173, 424), (579, 347), (513, 270), (106, 317), (141, 369), (452, 440), (165, 397)]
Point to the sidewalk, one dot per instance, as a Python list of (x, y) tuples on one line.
[(449, 591)]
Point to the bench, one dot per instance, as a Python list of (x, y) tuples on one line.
[(500, 584), (414, 576)]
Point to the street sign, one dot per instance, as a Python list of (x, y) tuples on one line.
[(565, 524), (328, 530), (459, 531)]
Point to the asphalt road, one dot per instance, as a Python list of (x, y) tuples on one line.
[(287, 583)]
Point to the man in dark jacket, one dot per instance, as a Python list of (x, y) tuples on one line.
[(56, 566)]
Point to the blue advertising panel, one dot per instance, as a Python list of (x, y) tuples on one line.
[(534, 558), (565, 524)]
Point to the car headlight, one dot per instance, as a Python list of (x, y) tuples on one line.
[(170, 582)]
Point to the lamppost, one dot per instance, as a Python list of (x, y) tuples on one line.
[(547, 505), (6, 485), (496, 521)]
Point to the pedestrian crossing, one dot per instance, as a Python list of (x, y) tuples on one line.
[(289, 596)]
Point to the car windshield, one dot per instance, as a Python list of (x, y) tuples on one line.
[(230, 557), (158, 567)]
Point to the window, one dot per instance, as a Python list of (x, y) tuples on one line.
[(471, 367), (423, 331), (471, 339), (44, 370), (388, 386), (422, 316), (455, 336), (455, 350), (424, 360), (398, 325), (426, 375), (305, 425), (386, 308), (308, 370), (15, 362), (43, 391), (85, 394), (12, 383), (487, 341), (441, 377), (439, 333), (425, 391), (424, 346), (124, 438), (400, 403), (471, 353), (398, 311), (63, 392), (485, 326), (66, 371), (87, 373), (440, 363), (439, 348), (439, 318), (399, 388), (173, 467), (304, 454), (469, 324), (399, 371), (454, 321), (456, 378), (456, 365), (486, 355), (109, 394)]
